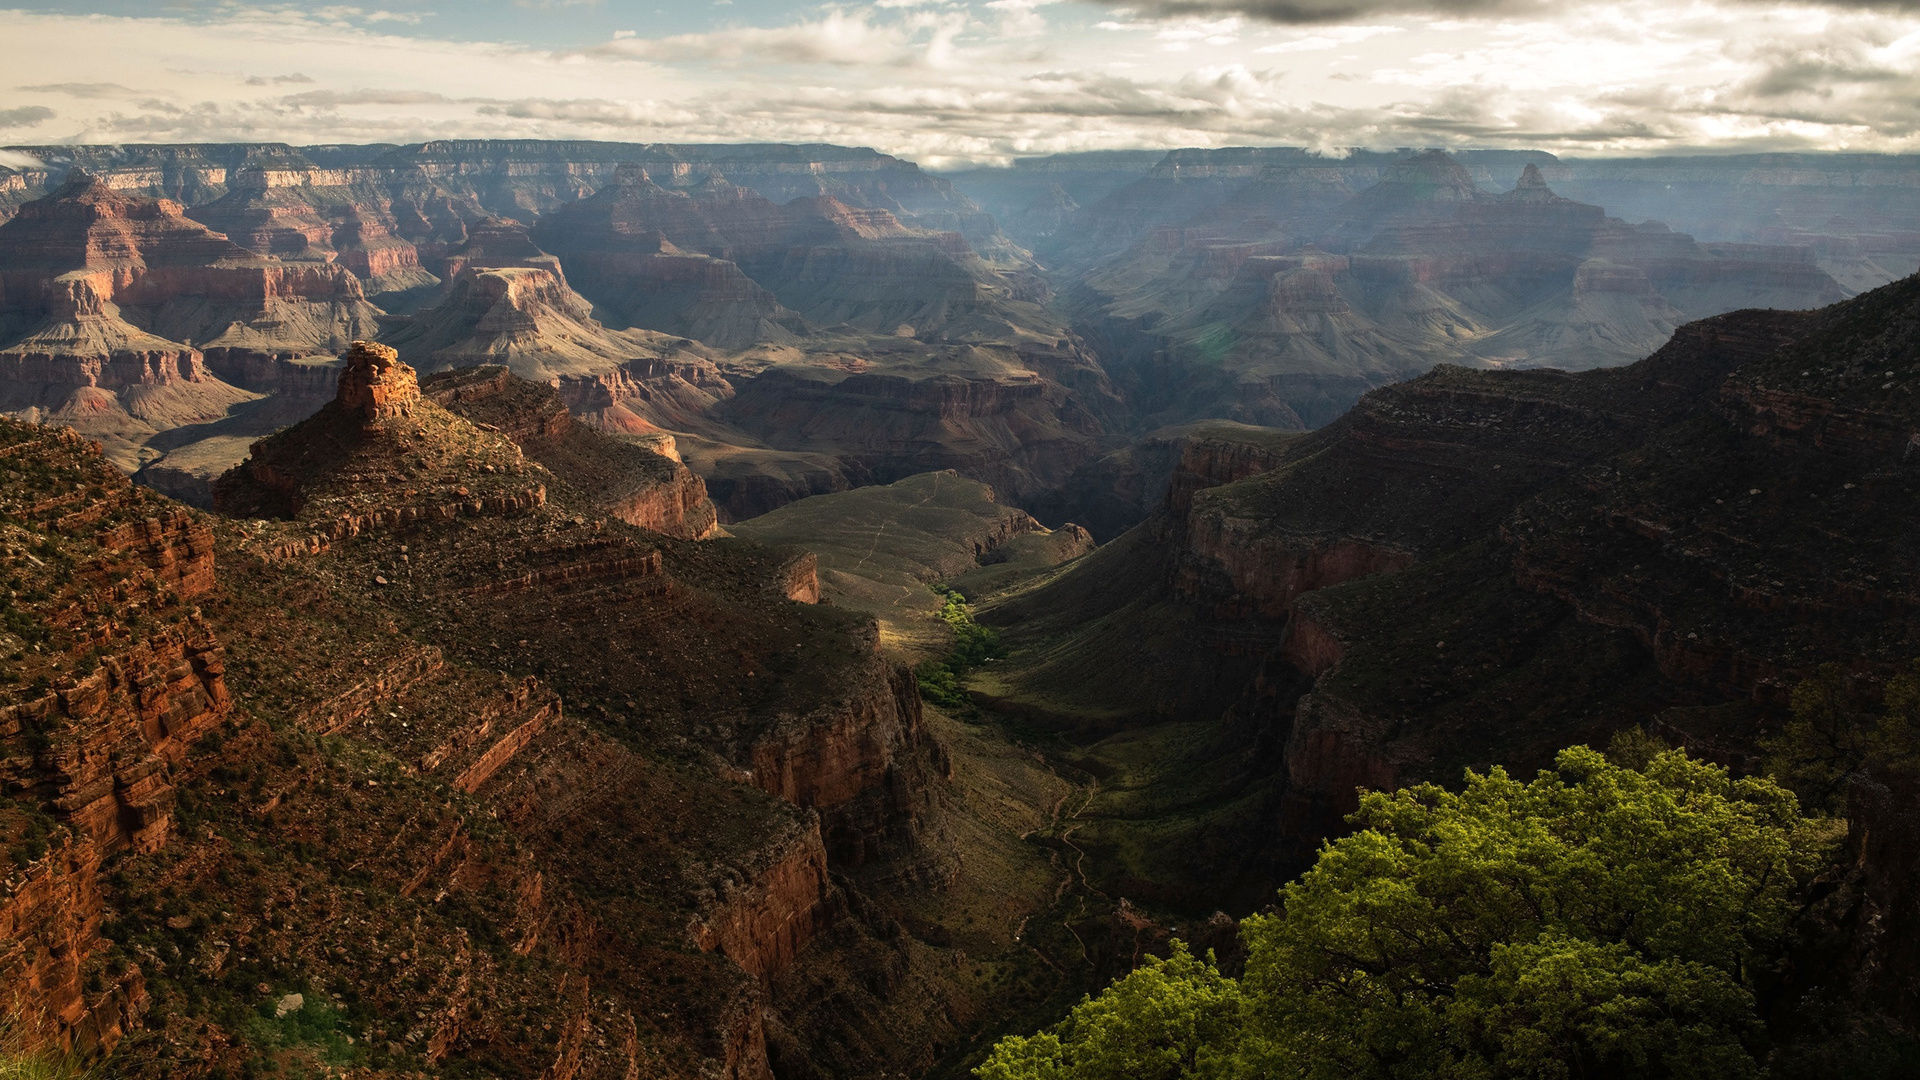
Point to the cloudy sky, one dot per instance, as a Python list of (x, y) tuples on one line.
[(950, 82)]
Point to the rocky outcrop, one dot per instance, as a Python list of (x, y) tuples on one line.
[(111, 735), (1267, 573), (375, 385), (1021, 433), (830, 262), (1287, 318), (630, 482), (764, 922), (338, 485), (107, 303), (412, 681), (50, 946), (866, 763), (799, 579)]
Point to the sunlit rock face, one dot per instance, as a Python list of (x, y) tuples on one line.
[(116, 311)]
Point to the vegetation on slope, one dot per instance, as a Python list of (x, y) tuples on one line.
[(21, 1059), (973, 645), (1600, 920)]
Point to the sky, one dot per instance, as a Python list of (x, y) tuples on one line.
[(955, 83)]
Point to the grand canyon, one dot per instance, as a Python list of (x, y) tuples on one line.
[(773, 611)]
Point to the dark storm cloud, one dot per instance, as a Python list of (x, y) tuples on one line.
[(1303, 12)]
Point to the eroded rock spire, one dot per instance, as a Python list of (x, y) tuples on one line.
[(376, 384)]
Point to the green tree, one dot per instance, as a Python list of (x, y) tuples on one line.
[(1835, 733), (1598, 921), (1169, 1020)]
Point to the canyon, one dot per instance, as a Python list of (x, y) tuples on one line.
[(1475, 568), (453, 688), (798, 320), (525, 681)]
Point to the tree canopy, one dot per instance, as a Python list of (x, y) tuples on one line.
[(1597, 921)]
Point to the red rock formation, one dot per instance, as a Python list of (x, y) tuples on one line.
[(113, 733), (120, 681), (105, 292), (370, 221), (376, 385), (765, 923), (50, 915), (636, 485), (800, 579), (866, 763), (839, 264)]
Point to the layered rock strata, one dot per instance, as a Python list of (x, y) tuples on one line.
[(109, 303), (1284, 312), (850, 747), (112, 678), (639, 486)]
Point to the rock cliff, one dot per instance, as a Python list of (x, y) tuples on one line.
[(1477, 568), (689, 649), (639, 486), (110, 303), (111, 677)]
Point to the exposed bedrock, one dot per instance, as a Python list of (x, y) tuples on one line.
[(1481, 567), (696, 647), (108, 303), (50, 916), (867, 763), (1022, 435), (126, 677), (766, 921), (639, 486)]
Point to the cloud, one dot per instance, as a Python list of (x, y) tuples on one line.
[(1333, 38), (840, 38), (332, 99), (954, 82), (81, 89), (1309, 12), (837, 38), (25, 116), (1822, 68), (15, 159), (597, 111)]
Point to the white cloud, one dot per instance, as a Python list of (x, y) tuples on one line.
[(1330, 38), (940, 80), (838, 37)]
